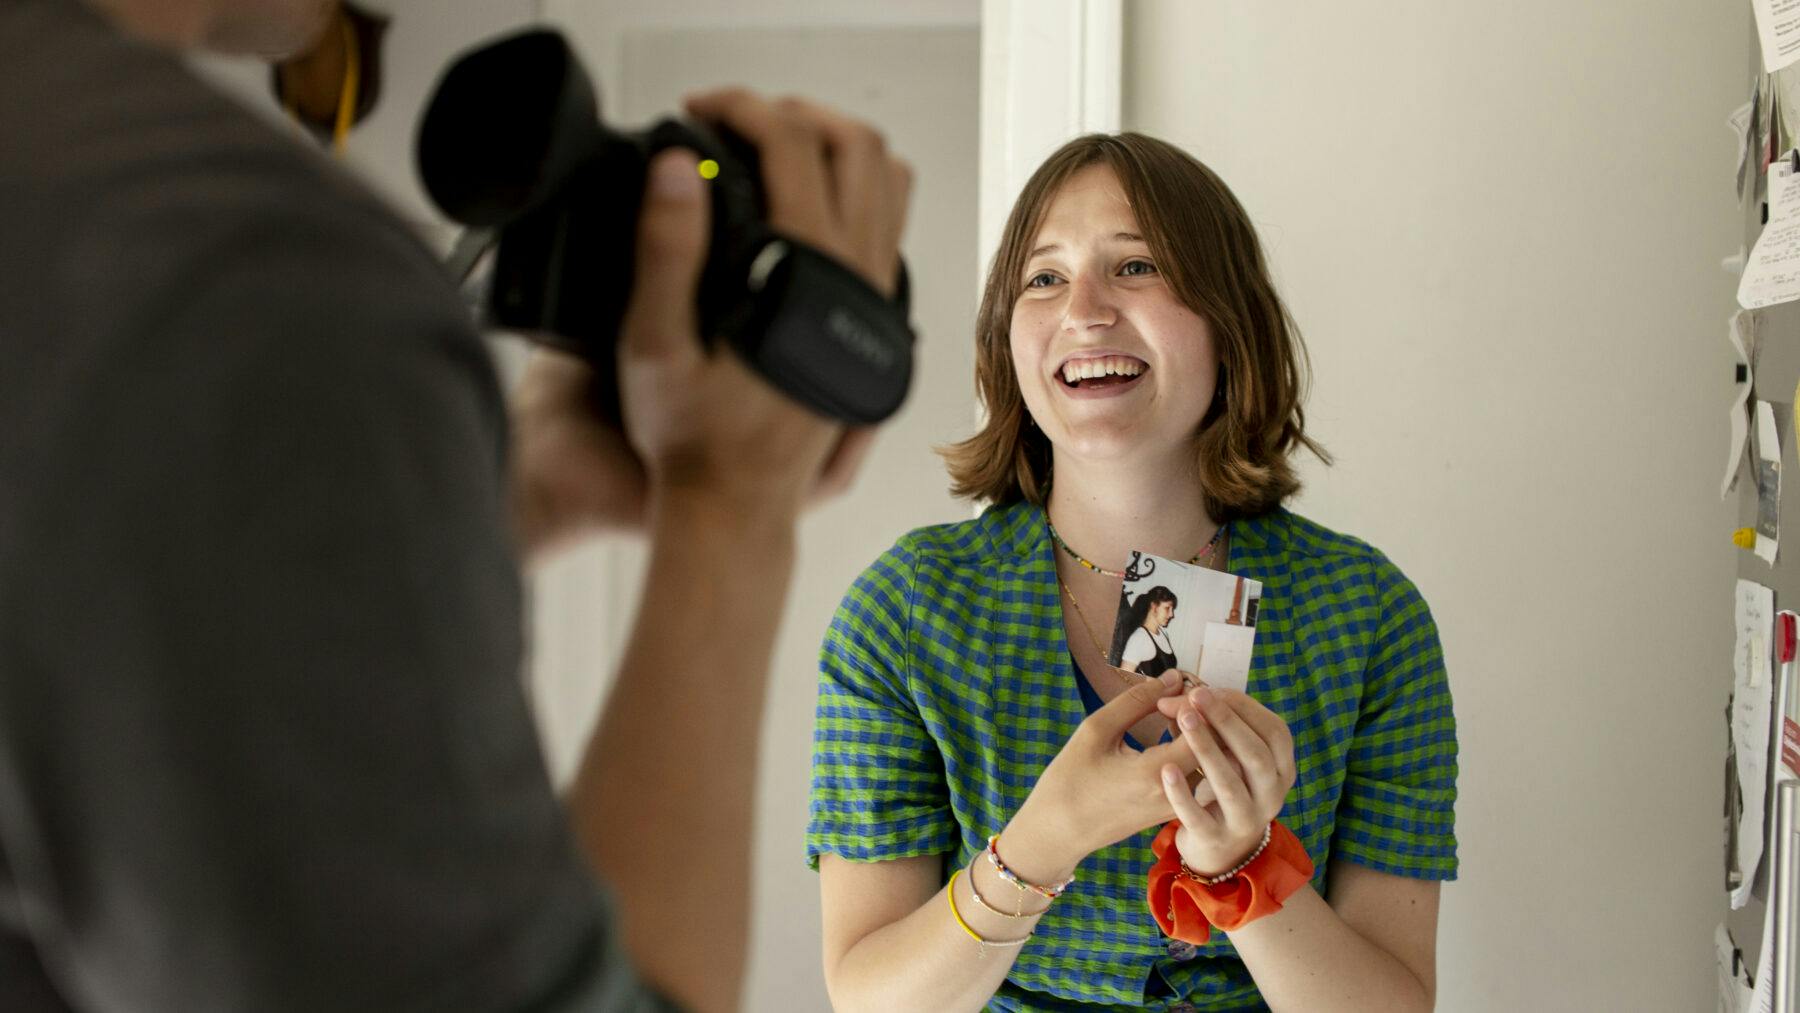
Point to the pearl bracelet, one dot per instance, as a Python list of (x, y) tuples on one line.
[(1240, 867)]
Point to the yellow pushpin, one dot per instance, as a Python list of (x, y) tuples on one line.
[(709, 169), (1744, 538)]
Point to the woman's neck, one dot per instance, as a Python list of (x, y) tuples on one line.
[(1105, 510)]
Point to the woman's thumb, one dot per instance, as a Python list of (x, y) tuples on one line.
[(1135, 704), (660, 319)]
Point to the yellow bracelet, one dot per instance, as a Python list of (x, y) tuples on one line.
[(985, 943)]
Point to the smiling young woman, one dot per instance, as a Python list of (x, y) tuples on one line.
[(1143, 386)]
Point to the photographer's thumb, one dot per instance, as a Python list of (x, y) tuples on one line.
[(672, 240)]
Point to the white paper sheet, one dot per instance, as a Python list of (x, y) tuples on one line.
[(1741, 330), (1773, 274), (1778, 26), (1753, 696), (1739, 125), (1225, 660), (1768, 482)]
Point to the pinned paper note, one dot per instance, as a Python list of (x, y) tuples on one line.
[(1741, 330), (1773, 274), (1768, 481), (1740, 123), (1751, 703), (1778, 26)]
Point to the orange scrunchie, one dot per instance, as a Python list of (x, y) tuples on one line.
[(1188, 911)]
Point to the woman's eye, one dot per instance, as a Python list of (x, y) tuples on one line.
[(1041, 279), (1138, 267)]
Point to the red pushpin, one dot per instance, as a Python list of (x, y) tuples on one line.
[(1785, 636)]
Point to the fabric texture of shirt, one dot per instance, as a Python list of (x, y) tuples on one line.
[(263, 739), (946, 688)]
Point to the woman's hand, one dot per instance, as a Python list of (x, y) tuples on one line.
[(1247, 756), (1098, 790)]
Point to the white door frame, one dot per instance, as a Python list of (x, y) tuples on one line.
[(1050, 71)]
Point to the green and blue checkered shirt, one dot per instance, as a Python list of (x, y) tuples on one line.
[(946, 687)]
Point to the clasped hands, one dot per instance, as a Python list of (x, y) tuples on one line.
[(1245, 755)]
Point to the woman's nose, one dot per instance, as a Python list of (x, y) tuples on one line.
[(1088, 306)]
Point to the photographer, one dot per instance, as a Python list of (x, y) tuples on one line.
[(263, 742)]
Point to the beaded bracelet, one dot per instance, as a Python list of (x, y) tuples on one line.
[(1240, 867), (985, 943), (981, 902), (1046, 892)]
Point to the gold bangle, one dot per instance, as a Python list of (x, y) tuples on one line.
[(980, 901), (985, 943)]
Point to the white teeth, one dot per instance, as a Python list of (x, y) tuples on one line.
[(1087, 369)]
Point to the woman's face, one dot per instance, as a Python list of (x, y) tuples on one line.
[(1162, 613), (1109, 361)]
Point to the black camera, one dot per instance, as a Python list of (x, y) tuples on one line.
[(513, 147)]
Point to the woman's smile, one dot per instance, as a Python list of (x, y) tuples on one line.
[(1101, 374)]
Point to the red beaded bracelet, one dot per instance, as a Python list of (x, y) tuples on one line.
[(1188, 907)]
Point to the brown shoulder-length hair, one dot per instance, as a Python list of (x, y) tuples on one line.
[(1207, 252)]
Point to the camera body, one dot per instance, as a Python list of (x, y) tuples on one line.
[(512, 142)]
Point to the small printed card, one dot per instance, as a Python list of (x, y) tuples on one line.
[(1177, 615)]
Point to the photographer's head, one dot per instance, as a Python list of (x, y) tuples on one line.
[(1125, 255), (266, 28)]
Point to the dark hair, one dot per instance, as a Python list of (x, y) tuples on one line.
[(1206, 249), (1138, 611)]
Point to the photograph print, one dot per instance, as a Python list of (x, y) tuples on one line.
[(1175, 615)]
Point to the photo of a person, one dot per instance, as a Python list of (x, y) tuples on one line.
[(1141, 642), (1195, 620)]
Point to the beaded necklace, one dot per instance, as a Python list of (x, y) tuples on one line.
[(1199, 557)]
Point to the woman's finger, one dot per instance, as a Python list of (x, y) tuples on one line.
[(1228, 786), (1251, 752), (1270, 726), (1188, 810)]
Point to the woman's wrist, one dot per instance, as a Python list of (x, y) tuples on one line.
[(1036, 849), (1207, 875)]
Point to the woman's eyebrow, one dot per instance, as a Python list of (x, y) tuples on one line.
[(1124, 237)]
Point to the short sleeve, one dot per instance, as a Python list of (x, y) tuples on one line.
[(1138, 648), (878, 786), (1397, 812)]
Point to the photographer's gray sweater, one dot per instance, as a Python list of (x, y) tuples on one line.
[(263, 739)]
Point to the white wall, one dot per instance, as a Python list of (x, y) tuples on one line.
[(1499, 227)]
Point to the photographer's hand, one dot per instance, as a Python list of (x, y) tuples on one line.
[(728, 463), (574, 473), (831, 183)]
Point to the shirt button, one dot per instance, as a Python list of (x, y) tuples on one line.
[(1181, 949)]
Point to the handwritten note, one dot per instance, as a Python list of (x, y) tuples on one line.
[(1773, 274), (1752, 699), (1778, 26)]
